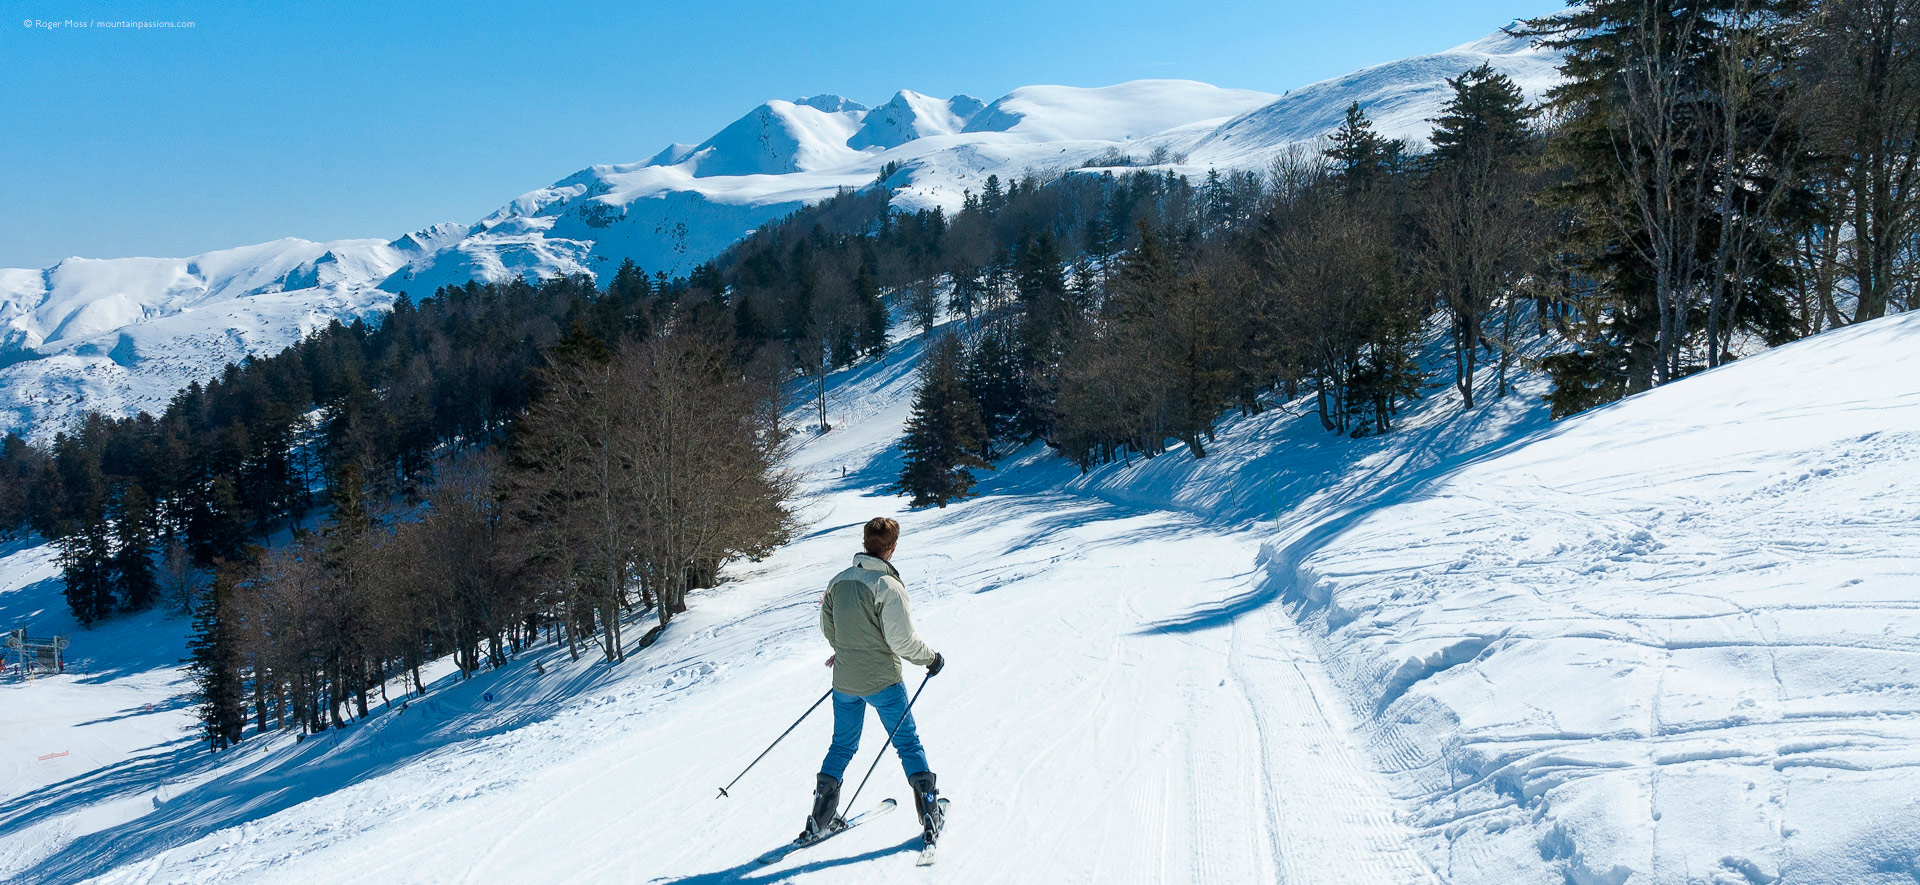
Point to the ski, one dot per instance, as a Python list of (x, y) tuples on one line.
[(778, 854), (926, 854)]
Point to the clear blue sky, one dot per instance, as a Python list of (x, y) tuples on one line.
[(329, 120)]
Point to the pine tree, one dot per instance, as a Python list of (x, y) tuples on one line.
[(85, 540), (624, 309), (214, 661), (1222, 205), (969, 290), (993, 379), (747, 325), (630, 283), (86, 567), (1083, 288), (1040, 284), (349, 497), (268, 482), (992, 199), (344, 553), (873, 312), (706, 278), (1361, 156), (1487, 116), (579, 347), (216, 521), (1635, 135), (944, 432), (1477, 213), (135, 536), (46, 511)]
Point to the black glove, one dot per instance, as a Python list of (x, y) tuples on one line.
[(933, 669)]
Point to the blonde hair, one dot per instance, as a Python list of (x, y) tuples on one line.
[(880, 535)]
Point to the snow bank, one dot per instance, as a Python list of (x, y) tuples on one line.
[(1673, 639)]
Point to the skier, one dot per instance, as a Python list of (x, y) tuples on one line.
[(864, 616)]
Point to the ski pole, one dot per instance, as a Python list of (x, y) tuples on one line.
[(883, 747), (776, 742)]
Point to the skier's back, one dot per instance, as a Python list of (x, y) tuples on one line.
[(865, 617)]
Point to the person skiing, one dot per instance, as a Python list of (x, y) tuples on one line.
[(864, 616)]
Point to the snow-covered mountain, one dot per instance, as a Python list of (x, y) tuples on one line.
[(689, 202), (121, 335), (1401, 97)]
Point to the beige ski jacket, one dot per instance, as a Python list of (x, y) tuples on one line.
[(864, 616)]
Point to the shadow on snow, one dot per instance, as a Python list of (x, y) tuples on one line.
[(268, 773), (740, 873)]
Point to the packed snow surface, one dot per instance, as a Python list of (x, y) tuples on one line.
[(1672, 640), (123, 335)]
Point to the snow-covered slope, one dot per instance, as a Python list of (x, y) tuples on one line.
[(1400, 97), (124, 696), (780, 137), (1672, 640), (1676, 639), (1114, 113), (121, 335)]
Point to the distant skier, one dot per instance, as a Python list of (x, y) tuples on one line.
[(864, 616)]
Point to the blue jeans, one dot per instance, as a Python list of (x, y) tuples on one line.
[(850, 712)]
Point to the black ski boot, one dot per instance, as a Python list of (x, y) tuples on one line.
[(927, 801), (826, 810)]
